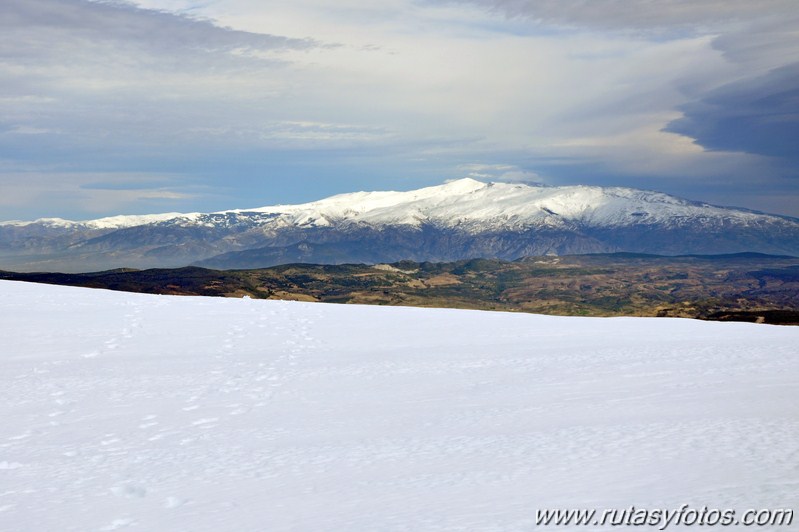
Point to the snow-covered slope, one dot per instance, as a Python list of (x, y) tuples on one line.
[(111, 222), (492, 206), (459, 219), (478, 205), (125, 411)]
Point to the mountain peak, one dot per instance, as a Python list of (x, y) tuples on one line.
[(464, 185)]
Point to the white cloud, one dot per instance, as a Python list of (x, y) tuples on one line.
[(507, 173)]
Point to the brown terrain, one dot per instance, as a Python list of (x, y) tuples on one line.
[(746, 287)]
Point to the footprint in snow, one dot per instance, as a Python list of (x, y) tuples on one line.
[(129, 491), (173, 502), (116, 524)]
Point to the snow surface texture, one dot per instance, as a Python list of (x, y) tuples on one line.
[(180, 413)]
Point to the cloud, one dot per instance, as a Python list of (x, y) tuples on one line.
[(739, 117), (92, 193), (124, 25), (758, 115), (251, 100), (55, 50), (634, 14), (297, 134), (107, 85), (507, 173)]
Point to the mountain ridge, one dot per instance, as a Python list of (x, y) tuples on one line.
[(382, 199), (459, 219)]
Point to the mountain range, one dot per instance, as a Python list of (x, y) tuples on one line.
[(457, 220)]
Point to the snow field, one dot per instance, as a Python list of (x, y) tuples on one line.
[(142, 412)]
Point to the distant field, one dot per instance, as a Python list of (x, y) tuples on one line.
[(743, 287)]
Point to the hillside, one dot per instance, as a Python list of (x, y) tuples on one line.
[(747, 287)]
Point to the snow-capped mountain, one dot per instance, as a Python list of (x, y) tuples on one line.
[(459, 219)]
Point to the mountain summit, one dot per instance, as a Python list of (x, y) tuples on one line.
[(458, 219)]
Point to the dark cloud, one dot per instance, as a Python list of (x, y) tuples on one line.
[(758, 116)]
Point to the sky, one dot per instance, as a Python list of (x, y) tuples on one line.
[(202, 105)]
